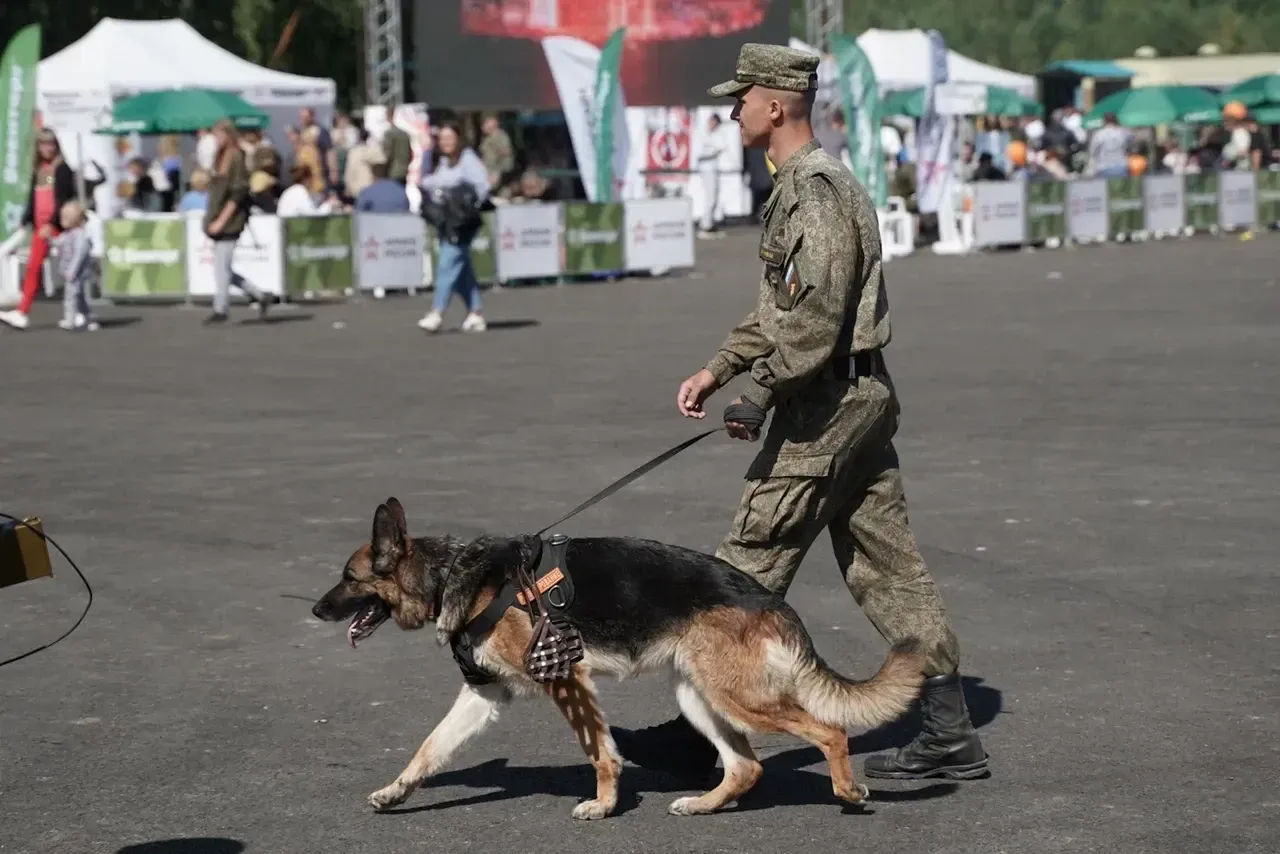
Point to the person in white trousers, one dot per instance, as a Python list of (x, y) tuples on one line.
[(708, 165)]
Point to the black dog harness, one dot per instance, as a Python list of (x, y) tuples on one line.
[(553, 588)]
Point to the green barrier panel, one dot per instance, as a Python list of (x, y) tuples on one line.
[(484, 255), (1126, 206), (1202, 201), (592, 238), (1046, 211), (145, 258), (317, 254), (1268, 197)]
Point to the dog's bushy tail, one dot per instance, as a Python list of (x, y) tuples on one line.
[(836, 700)]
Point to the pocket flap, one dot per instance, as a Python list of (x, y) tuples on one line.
[(790, 465)]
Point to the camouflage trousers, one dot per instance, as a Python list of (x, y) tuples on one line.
[(861, 503)]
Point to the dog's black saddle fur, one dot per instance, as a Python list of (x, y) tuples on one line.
[(548, 566)]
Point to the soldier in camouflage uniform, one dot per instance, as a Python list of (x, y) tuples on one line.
[(812, 347)]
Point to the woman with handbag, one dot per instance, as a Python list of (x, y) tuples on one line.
[(52, 186), (451, 198), (226, 216)]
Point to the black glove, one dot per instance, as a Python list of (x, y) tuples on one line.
[(747, 414)]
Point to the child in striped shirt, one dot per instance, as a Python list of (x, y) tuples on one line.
[(76, 269)]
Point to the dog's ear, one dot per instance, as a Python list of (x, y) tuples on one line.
[(387, 541), (397, 513)]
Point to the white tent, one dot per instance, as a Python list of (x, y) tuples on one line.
[(77, 85), (901, 60)]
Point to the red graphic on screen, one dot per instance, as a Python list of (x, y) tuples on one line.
[(595, 20)]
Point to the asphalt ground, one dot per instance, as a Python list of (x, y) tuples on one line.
[(1091, 454)]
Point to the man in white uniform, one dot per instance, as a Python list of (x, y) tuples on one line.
[(708, 165)]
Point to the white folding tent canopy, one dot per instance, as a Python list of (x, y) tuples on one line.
[(901, 60), (77, 85)]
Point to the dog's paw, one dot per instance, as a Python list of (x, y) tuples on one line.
[(392, 796), (687, 806), (592, 810)]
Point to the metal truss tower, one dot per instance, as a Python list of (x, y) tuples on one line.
[(384, 57), (822, 20)]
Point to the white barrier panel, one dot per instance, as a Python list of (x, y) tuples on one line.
[(999, 213), (259, 256), (1238, 202), (389, 251), (1165, 205), (659, 234), (528, 241), (1087, 217)]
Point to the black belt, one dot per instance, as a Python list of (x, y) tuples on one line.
[(869, 363)]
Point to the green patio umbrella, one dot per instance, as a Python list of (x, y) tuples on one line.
[(182, 111), (1255, 92), (1266, 114), (1000, 102), (1156, 105)]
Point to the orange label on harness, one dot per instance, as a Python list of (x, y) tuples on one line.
[(545, 583)]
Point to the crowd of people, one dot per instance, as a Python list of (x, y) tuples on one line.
[(342, 168)]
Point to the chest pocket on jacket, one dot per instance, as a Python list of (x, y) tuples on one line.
[(781, 272)]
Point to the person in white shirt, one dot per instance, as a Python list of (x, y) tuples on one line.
[(297, 199), (713, 145), (206, 150)]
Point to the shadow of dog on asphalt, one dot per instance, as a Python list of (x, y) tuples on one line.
[(191, 845)]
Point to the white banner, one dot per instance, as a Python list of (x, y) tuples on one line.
[(574, 66), (999, 213), (659, 234), (259, 256), (389, 251), (935, 159), (1087, 217), (528, 241), (1238, 203), (1166, 209)]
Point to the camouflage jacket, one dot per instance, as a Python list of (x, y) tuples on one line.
[(822, 299)]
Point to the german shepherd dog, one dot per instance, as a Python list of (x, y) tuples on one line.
[(740, 659)]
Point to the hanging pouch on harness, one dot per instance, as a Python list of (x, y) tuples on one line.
[(556, 645)]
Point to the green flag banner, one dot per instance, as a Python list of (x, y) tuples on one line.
[(592, 238), (1046, 210), (860, 98), (1202, 201), (317, 254), (145, 258), (608, 82), (1268, 197), (17, 112), (1126, 211)]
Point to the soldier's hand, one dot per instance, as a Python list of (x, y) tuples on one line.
[(694, 391), (738, 430)]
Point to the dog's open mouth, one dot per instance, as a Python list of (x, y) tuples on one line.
[(367, 620)]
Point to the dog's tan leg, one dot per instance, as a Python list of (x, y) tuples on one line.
[(576, 699), (475, 708), (834, 744), (741, 768)]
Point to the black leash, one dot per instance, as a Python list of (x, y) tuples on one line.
[(629, 478), (747, 414), (51, 541)]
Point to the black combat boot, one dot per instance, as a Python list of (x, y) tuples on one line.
[(674, 747), (947, 746)]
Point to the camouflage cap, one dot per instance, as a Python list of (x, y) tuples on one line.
[(773, 66)]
